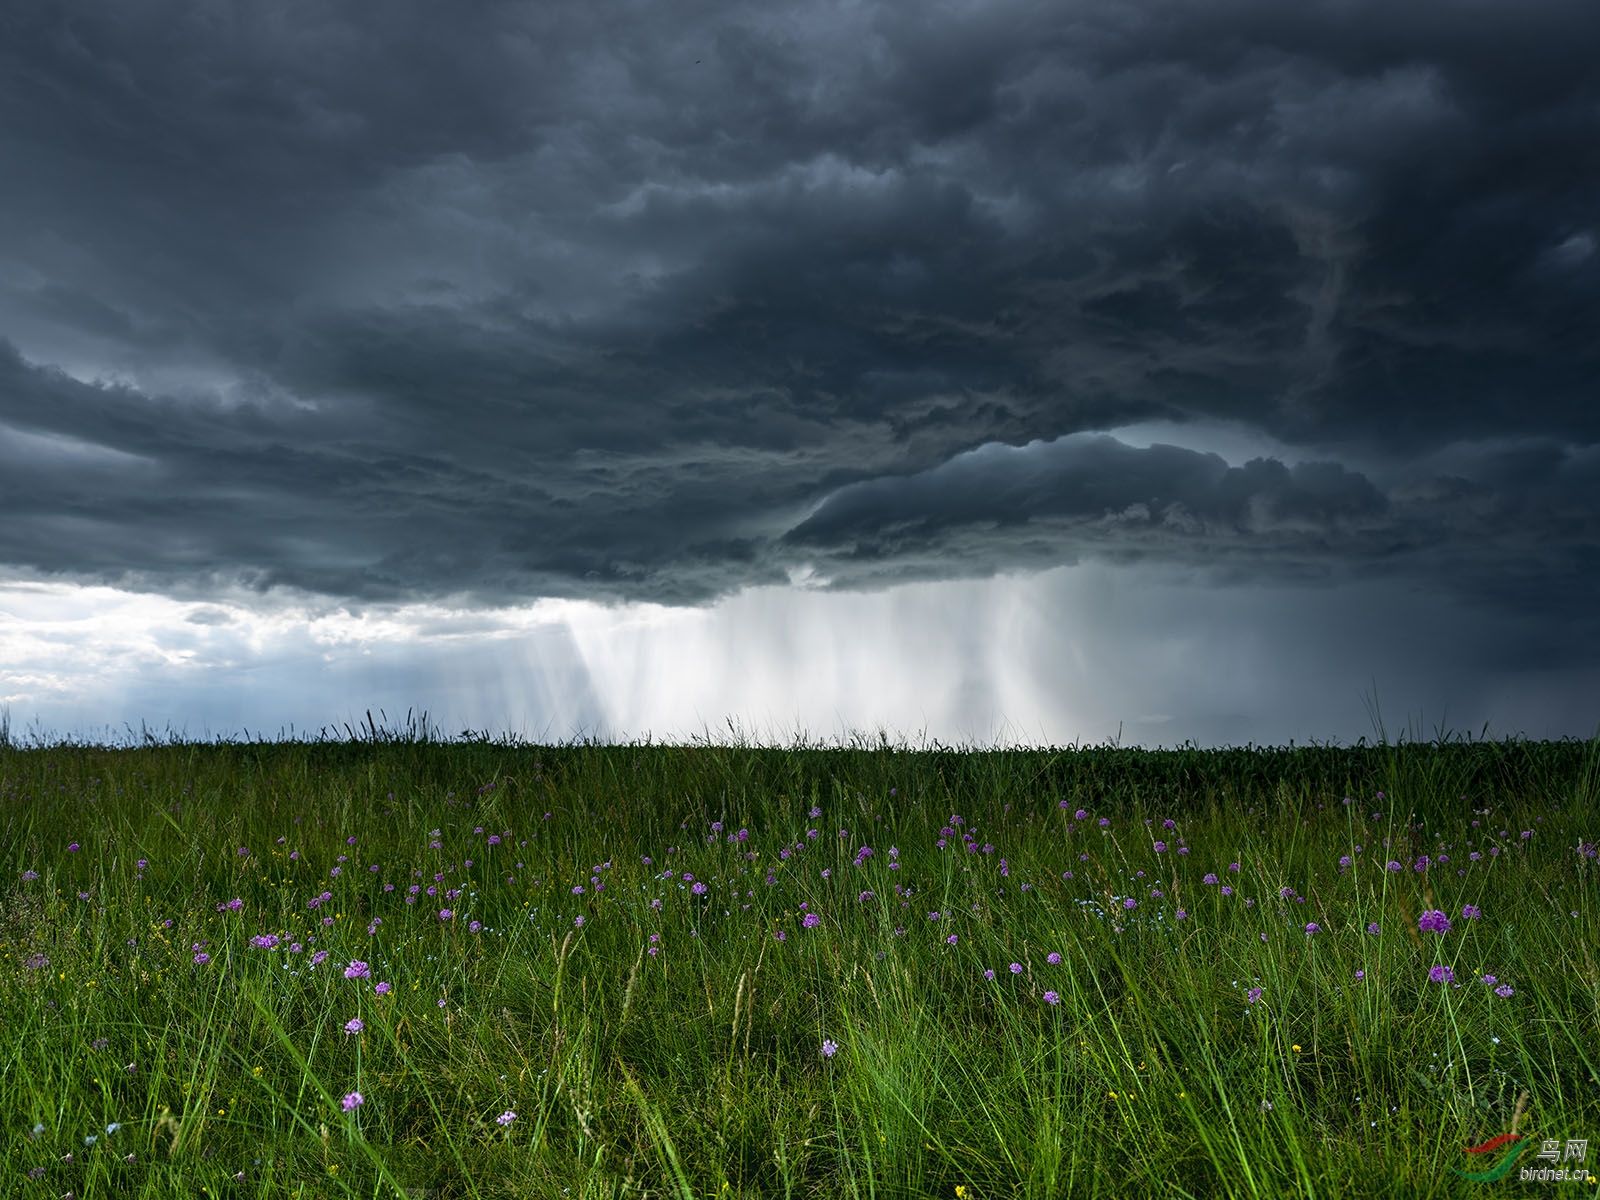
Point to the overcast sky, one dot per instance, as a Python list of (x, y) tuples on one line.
[(989, 372)]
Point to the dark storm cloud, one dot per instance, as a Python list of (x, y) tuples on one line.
[(1091, 477), (389, 301), (1262, 519)]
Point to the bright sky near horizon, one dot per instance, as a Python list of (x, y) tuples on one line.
[(971, 372)]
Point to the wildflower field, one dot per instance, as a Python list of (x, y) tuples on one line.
[(399, 966)]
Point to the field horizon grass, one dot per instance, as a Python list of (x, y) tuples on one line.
[(397, 965)]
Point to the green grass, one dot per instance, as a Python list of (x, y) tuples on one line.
[(1135, 1065)]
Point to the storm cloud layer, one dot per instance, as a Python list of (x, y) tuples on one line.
[(619, 301)]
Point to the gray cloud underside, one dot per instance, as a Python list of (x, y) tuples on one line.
[(631, 301)]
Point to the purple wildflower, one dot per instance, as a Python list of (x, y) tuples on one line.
[(1433, 921)]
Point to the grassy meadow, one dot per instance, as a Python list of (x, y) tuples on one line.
[(398, 966)]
